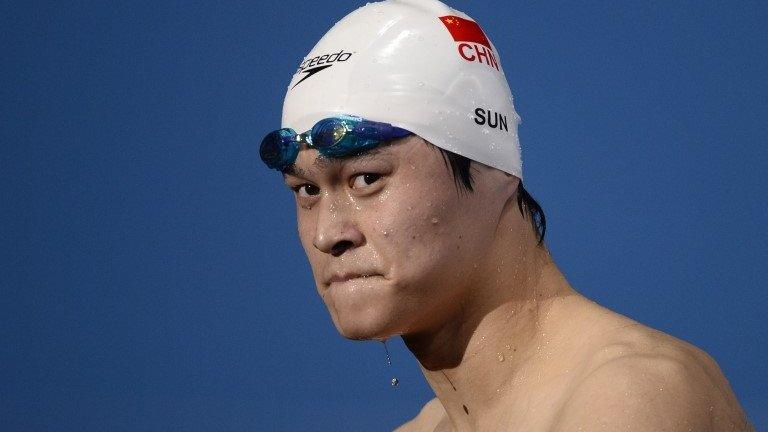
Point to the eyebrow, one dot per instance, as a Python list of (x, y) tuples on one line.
[(323, 162)]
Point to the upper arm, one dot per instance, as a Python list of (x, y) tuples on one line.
[(644, 393)]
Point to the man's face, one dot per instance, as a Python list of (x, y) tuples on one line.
[(394, 247)]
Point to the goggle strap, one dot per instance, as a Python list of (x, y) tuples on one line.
[(399, 132)]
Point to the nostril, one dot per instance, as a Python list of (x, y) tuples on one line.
[(341, 247)]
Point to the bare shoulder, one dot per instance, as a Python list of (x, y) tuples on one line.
[(428, 419), (644, 379)]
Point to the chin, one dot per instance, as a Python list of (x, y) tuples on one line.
[(374, 323), (365, 327), (364, 310)]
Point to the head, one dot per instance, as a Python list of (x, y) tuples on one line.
[(395, 242), (398, 233)]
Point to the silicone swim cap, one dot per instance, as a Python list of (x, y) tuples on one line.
[(419, 65)]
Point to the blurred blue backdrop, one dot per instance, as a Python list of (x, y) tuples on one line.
[(151, 276)]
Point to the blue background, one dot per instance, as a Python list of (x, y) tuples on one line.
[(151, 276)]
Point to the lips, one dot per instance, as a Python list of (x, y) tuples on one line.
[(343, 277)]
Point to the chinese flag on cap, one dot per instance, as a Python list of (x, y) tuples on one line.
[(464, 30)]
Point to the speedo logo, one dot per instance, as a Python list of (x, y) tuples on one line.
[(313, 65), (471, 42)]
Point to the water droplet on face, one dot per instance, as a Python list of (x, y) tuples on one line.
[(507, 347), (386, 233), (500, 356), (434, 221)]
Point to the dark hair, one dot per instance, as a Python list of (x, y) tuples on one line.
[(460, 166)]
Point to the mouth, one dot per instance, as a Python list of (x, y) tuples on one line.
[(350, 276)]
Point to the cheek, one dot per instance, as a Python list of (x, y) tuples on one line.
[(306, 231), (419, 232)]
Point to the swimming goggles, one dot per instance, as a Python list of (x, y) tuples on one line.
[(332, 137)]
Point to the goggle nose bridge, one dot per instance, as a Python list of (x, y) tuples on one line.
[(305, 138)]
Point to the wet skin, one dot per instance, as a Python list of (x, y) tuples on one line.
[(395, 215), (502, 338)]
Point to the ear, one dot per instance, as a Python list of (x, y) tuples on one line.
[(511, 183), (500, 186), (508, 189)]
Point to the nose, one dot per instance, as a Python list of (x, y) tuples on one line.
[(336, 230)]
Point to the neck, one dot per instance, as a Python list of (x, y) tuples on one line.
[(482, 351)]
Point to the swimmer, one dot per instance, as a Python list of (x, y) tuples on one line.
[(399, 141)]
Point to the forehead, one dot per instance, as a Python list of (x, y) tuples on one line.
[(311, 163)]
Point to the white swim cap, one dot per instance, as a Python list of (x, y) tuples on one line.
[(419, 65)]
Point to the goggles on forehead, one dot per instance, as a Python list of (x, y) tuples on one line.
[(332, 137)]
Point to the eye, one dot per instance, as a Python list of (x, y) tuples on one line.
[(364, 179), (305, 190)]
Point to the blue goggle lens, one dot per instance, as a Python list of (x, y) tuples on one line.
[(328, 137), (279, 148)]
